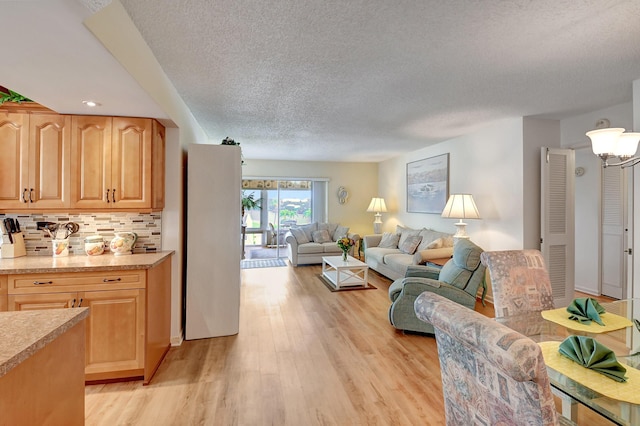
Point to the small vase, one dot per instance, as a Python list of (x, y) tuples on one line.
[(344, 255)]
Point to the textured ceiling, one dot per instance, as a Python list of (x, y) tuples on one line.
[(358, 80)]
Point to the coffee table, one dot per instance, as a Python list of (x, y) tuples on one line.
[(341, 274)]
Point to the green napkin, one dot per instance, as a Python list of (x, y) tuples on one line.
[(587, 352), (585, 309)]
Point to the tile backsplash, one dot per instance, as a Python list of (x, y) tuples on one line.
[(148, 226)]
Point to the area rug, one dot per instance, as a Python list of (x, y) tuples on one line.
[(261, 263), (265, 253), (333, 289)]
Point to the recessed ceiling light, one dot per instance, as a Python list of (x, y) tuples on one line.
[(91, 103)]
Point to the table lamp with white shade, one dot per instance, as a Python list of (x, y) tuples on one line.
[(461, 206), (378, 206)]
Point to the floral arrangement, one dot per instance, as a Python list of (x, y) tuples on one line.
[(345, 243)]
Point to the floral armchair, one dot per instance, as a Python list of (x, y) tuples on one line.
[(490, 373)]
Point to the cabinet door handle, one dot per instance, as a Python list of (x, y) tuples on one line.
[(80, 302), (42, 282), (108, 196), (31, 197), (24, 199), (113, 195), (73, 303), (113, 280)]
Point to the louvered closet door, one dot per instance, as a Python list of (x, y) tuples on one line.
[(614, 221), (557, 221)]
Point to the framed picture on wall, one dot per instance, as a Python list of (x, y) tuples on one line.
[(428, 184)]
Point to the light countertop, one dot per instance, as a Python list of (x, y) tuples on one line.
[(23, 333), (81, 263)]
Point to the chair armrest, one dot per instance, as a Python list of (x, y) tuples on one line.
[(371, 241), (422, 271)]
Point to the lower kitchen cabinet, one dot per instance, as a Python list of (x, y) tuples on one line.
[(124, 339), (115, 332), (3, 293), (32, 302)]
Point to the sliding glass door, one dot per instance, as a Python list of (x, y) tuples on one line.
[(284, 203)]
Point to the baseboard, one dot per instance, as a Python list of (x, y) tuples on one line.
[(586, 291), (177, 340)]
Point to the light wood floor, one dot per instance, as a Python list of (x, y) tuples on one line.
[(304, 356)]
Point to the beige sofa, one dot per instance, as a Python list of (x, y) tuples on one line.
[(307, 244), (391, 253)]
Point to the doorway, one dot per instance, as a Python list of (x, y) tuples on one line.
[(602, 203), (284, 203)]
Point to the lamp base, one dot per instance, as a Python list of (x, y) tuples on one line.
[(462, 231), (377, 224), (377, 228)]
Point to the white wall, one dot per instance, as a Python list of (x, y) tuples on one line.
[(360, 180), (487, 164), (537, 133)]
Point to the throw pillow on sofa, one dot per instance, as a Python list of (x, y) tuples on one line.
[(330, 227), (299, 235), (389, 240), (321, 236), (341, 231), (410, 244), (405, 233), (437, 243), (309, 230)]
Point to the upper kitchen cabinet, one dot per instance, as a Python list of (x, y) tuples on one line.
[(34, 165), (117, 163)]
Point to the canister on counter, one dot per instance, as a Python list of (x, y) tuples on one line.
[(94, 245)]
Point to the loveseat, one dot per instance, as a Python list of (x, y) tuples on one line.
[(307, 244), (391, 253)]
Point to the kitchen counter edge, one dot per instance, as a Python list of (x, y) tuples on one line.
[(27, 332), (81, 263)]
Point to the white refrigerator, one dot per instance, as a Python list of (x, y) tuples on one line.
[(214, 182)]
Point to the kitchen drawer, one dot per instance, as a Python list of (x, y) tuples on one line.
[(76, 281)]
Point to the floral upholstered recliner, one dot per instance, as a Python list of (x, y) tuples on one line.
[(491, 375)]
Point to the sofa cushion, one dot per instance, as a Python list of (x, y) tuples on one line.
[(437, 243), (299, 235), (429, 235), (398, 261), (377, 254), (330, 228), (310, 248), (321, 236), (389, 240), (309, 230), (410, 244), (331, 247), (341, 231), (405, 233)]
